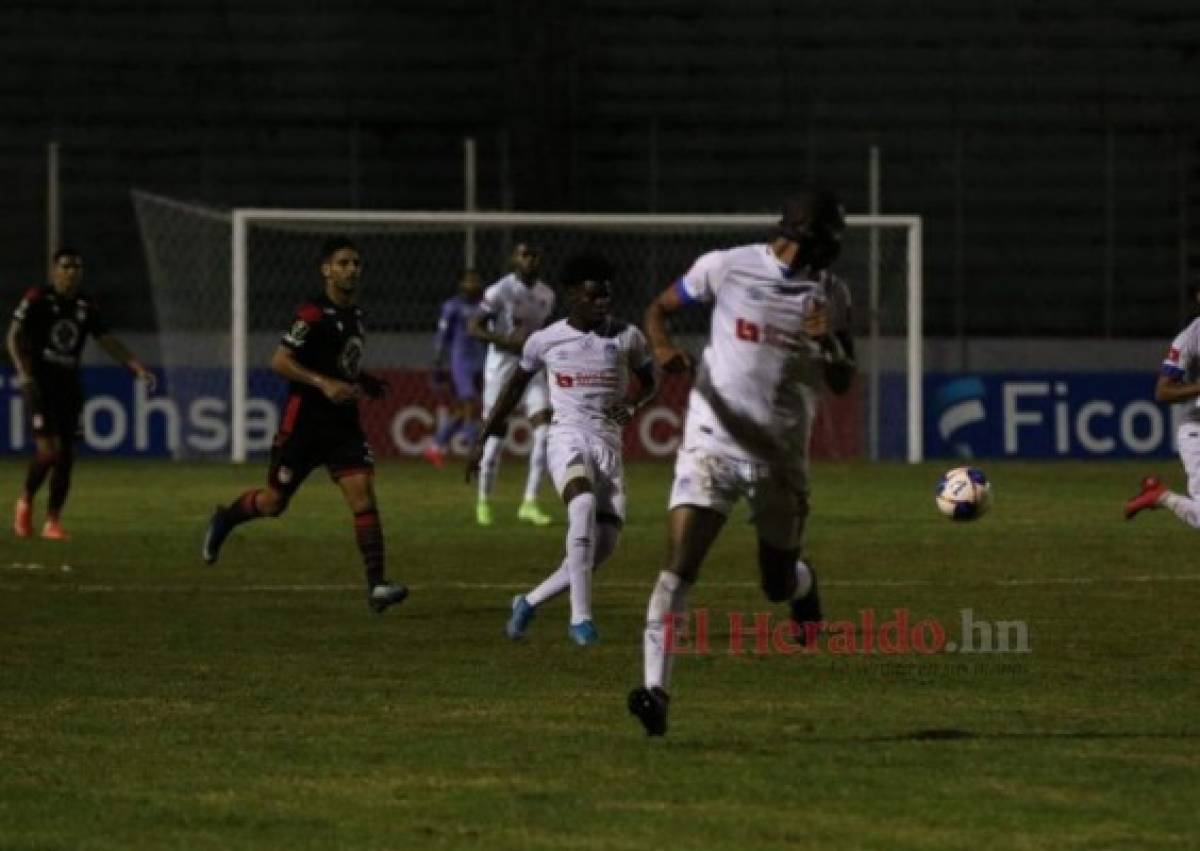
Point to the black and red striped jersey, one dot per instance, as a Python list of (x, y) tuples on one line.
[(56, 327), (329, 340)]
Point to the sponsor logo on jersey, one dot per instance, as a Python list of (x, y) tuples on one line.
[(606, 378), (64, 334), (284, 475), (298, 332), (350, 360), (764, 333)]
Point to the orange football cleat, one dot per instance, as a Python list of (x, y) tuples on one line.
[(435, 456), (23, 519), (1150, 495), (52, 530)]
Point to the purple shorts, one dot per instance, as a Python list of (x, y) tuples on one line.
[(467, 379)]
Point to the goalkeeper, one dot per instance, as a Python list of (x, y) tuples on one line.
[(321, 357)]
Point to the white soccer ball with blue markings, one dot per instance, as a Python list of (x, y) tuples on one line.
[(964, 493)]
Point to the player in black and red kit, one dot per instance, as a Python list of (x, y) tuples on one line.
[(321, 357), (46, 337)]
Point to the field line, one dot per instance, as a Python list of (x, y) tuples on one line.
[(199, 587)]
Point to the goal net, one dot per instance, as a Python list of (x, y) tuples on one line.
[(226, 284)]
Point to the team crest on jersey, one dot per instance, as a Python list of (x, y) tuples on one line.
[(64, 334), (298, 332), (610, 348), (81, 313), (38, 421), (350, 360), (284, 475), (755, 294)]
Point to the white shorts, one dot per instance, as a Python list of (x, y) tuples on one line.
[(573, 454), (778, 503), (1188, 438), (535, 400)]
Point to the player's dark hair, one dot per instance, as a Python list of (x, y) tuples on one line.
[(811, 207), (585, 266), (66, 251), (335, 244)]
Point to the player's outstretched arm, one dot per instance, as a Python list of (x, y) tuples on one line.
[(18, 351), (284, 363), (839, 361), (1169, 391), (121, 354), (479, 326), (494, 425), (623, 413), (669, 357)]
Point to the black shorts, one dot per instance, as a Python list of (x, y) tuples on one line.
[(55, 407), (305, 444)]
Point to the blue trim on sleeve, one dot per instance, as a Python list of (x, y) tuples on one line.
[(1173, 372), (684, 295)]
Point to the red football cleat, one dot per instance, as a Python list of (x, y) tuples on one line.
[(52, 530), (23, 519), (435, 456), (1151, 493)]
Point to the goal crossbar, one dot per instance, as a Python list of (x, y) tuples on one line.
[(244, 218)]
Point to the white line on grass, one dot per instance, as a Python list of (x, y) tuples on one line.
[(514, 586)]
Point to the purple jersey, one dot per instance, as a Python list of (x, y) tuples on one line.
[(466, 353)]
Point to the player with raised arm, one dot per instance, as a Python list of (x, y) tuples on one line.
[(513, 308), (1178, 384), (321, 357), (780, 332), (45, 340), (588, 357), (465, 375)]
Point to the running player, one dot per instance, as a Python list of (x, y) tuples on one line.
[(513, 308), (588, 357), (1178, 384), (780, 332), (46, 337), (321, 357)]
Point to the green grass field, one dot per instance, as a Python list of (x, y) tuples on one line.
[(149, 702)]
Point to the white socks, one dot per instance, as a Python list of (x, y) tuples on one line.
[(669, 597), (1185, 508), (804, 580), (537, 462), (607, 536), (581, 550), (489, 466)]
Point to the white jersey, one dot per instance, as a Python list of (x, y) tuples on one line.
[(758, 358), (1182, 363), (588, 372), (514, 309)]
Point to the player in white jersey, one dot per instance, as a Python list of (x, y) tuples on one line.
[(780, 333), (513, 308), (1179, 384), (588, 357)]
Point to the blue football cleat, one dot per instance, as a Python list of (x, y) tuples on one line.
[(583, 633), (522, 614), (219, 527)]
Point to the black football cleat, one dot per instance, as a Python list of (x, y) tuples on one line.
[(385, 595), (650, 707), (219, 527), (807, 610)]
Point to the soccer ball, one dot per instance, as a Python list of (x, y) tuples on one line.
[(964, 493)]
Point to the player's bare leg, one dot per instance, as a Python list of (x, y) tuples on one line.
[(60, 486), (46, 449), (529, 510), (786, 577), (691, 531), (358, 489)]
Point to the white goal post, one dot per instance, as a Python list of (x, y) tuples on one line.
[(469, 224)]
